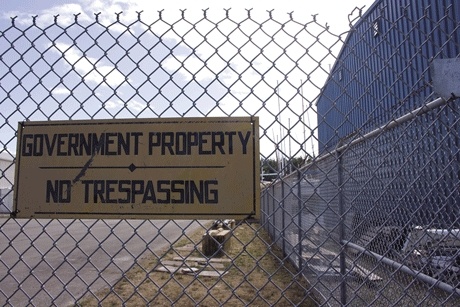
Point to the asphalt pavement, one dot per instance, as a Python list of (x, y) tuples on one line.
[(44, 262)]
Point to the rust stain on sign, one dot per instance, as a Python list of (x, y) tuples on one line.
[(143, 168)]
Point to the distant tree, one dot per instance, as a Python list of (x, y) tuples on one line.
[(297, 162), (269, 166)]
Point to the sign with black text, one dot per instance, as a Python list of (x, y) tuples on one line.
[(143, 168)]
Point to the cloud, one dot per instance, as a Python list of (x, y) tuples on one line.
[(337, 17), (249, 54), (189, 67), (89, 68), (105, 74), (244, 52), (206, 57), (61, 90), (136, 105), (132, 105), (114, 104), (62, 14)]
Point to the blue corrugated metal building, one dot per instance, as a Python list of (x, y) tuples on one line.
[(382, 73)]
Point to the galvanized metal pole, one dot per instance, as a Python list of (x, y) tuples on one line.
[(265, 206), (404, 268), (276, 204), (341, 211), (299, 200), (272, 214), (282, 219), (439, 102)]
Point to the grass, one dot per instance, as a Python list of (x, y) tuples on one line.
[(257, 275)]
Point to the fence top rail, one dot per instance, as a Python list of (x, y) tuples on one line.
[(391, 124)]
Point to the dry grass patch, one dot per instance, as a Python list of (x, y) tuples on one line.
[(257, 275)]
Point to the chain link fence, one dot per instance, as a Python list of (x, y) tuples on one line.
[(360, 193)]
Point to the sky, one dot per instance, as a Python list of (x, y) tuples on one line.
[(334, 12), (242, 77)]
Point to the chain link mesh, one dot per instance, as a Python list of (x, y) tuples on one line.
[(373, 222)]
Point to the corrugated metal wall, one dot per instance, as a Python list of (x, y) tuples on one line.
[(408, 175), (383, 70)]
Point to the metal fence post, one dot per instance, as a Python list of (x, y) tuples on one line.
[(299, 200), (272, 213), (342, 255), (283, 210), (263, 210)]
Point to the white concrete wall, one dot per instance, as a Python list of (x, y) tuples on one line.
[(6, 182), (6, 170), (6, 201)]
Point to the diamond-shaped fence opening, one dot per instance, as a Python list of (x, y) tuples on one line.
[(359, 157)]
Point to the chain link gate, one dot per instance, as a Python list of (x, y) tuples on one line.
[(362, 207)]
